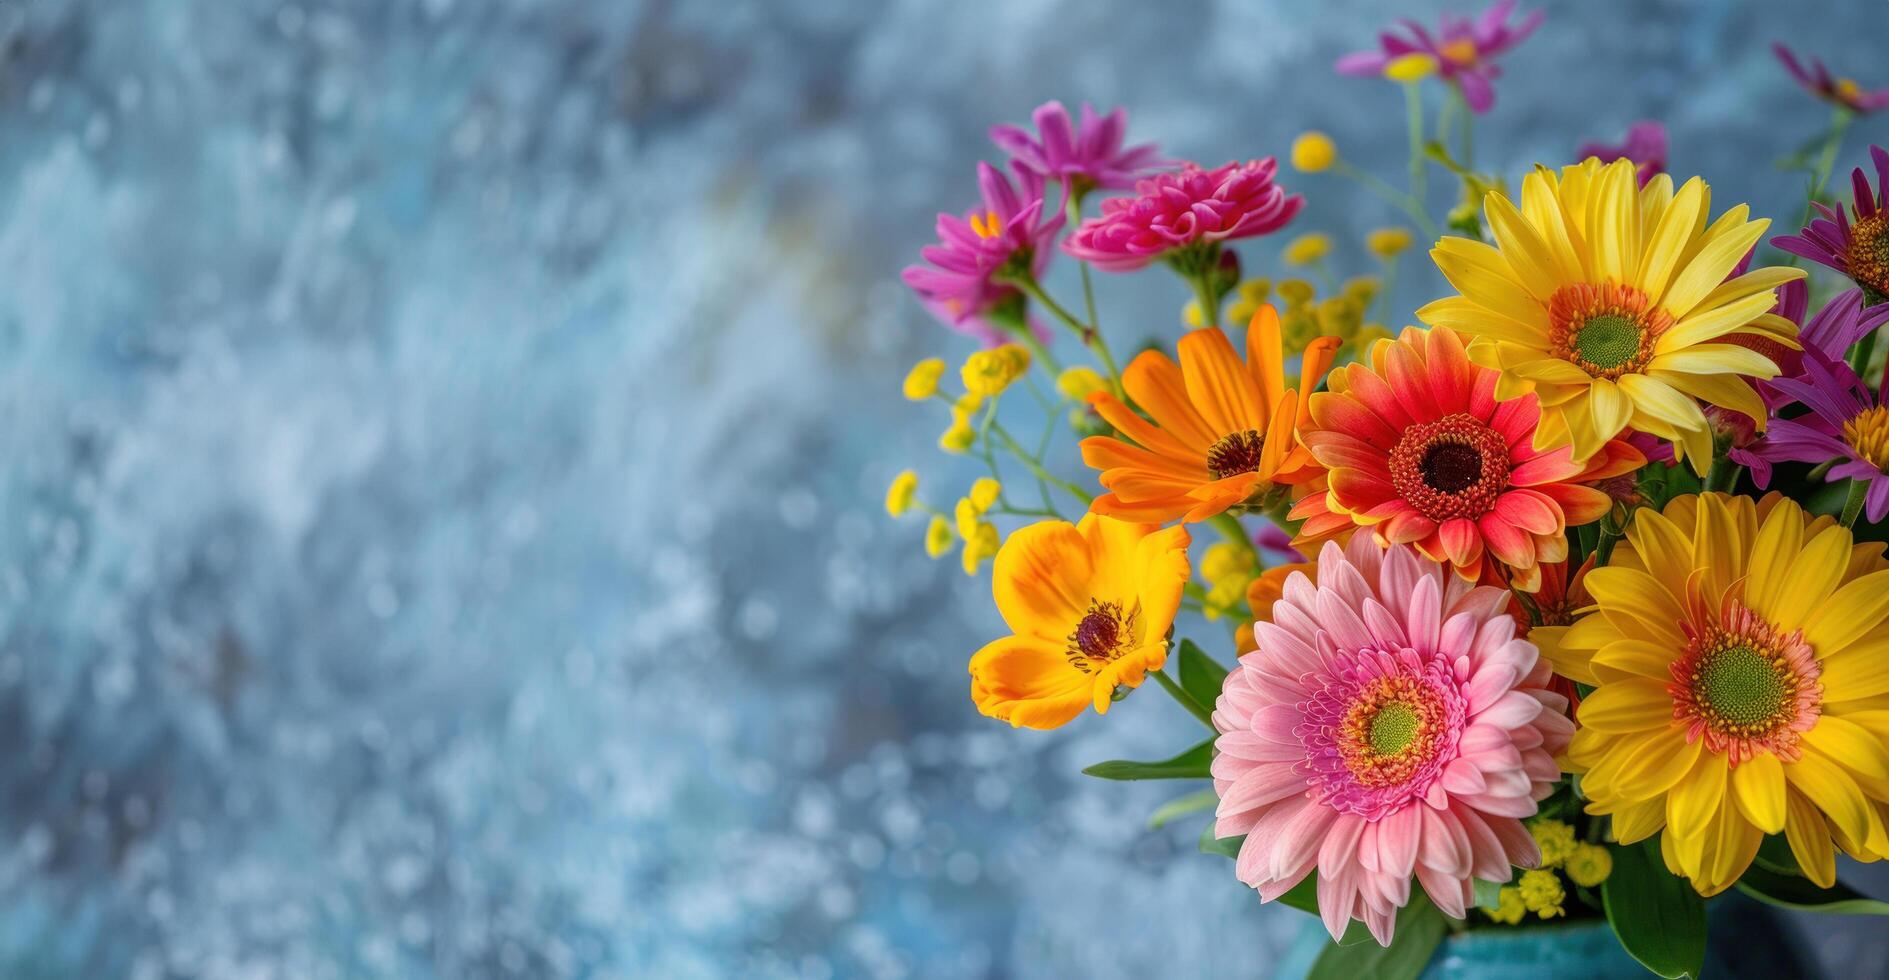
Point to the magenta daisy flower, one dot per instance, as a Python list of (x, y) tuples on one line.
[(1855, 243), (1645, 145), (1389, 724), (1844, 92), (1464, 50), (1847, 423), (1189, 207), (1082, 157), (964, 283)]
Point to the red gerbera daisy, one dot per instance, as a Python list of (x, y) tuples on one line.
[(1417, 449)]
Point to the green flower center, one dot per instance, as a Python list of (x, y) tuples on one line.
[(1608, 341), (1742, 686), (1393, 728)]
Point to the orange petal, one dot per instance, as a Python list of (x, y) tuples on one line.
[(1265, 356), (1041, 580), (1029, 683), (1156, 384), (1218, 385)]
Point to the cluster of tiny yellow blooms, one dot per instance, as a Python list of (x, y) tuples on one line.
[(988, 372), (1228, 569), (1303, 317), (1307, 249), (1388, 243), (1540, 891)]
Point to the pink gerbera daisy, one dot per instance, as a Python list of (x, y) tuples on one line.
[(1175, 215), (1389, 723)]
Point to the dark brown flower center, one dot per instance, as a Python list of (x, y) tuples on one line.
[(1104, 633), (1236, 453), (1868, 256), (1455, 466), (1450, 466)]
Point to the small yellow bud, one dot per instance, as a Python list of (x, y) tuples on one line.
[(984, 493), (1509, 908), (921, 382), (1361, 289), (1256, 289), (938, 537), (1296, 292), (898, 497), (1224, 559), (960, 437), (1388, 242), (1307, 249), (967, 516), (981, 544), (1313, 152), (1589, 865), (989, 372), (967, 403), (1338, 317), (1413, 67), (1542, 893), (1556, 840), (1079, 382), (1190, 315)]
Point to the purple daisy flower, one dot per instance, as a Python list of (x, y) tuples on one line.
[(1844, 92), (1645, 145), (1847, 423), (963, 283), (1860, 248), (1464, 50), (1082, 157)]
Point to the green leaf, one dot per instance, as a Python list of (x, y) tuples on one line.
[(1419, 929), (1223, 846), (1181, 806), (1201, 675), (1191, 764), (1488, 893), (1793, 892), (1658, 917)]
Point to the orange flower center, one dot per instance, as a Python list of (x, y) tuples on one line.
[(1236, 453), (1868, 433), (1462, 51), (1104, 633), (1606, 330), (1745, 686), (1453, 467), (987, 225), (1868, 256)]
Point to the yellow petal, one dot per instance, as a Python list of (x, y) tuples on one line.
[(1833, 791), (1726, 243), (1859, 671), (1810, 840), (1758, 785), (1624, 591), (1773, 555), (1851, 746), (1028, 682), (1527, 254), (1627, 706), (1635, 658), (1636, 822), (1669, 239), (1696, 797), (1709, 323), (1723, 390), (1852, 610), (1715, 359), (1813, 576)]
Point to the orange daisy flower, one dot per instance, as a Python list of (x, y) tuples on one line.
[(1089, 607), (1221, 433), (1420, 451)]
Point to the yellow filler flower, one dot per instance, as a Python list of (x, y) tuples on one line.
[(1612, 303), (1739, 655), (1089, 606)]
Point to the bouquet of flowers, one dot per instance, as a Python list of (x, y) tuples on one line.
[(1569, 603)]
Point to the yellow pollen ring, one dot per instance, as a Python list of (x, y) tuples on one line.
[(987, 225), (1462, 51), (1868, 434)]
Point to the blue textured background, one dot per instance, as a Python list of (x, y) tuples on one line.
[(442, 453)]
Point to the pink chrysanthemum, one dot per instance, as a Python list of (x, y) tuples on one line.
[(1389, 723), (1082, 156), (964, 283), (1645, 145), (1189, 207), (1464, 49)]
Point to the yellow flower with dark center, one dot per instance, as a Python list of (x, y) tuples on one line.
[(921, 382), (1739, 657), (898, 497), (1612, 303), (1089, 606)]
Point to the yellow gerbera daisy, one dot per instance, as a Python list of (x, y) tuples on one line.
[(1612, 304), (1739, 655), (1089, 606)]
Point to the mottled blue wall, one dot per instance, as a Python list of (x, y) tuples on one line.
[(441, 444)]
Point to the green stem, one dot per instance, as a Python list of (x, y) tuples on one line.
[(1467, 120), (1186, 700), (1092, 338), (1826, 160), (1391, 195), (1724, 475), (1413, 118), (1609, 534), (1853, 504), (1859, 358), (1036, 468), (1037, 350), (1204, 295)]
